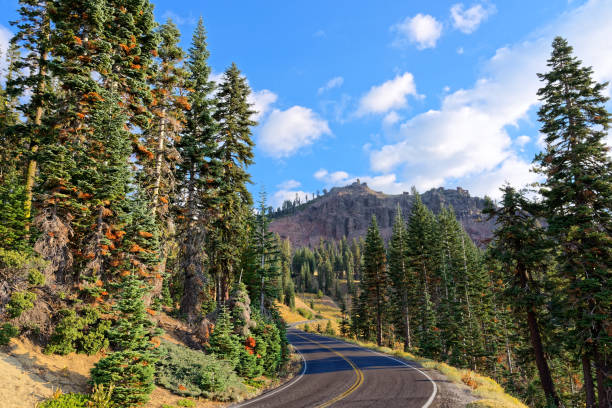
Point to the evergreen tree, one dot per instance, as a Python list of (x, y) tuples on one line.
[(31, 73), (577, 200), (227, 235), (420, 250), (374, 281), (197, 172), (520, 247), (131, 368), (401, 277), (223, 342)]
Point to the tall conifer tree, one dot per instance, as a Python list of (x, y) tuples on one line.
[(577, 202)]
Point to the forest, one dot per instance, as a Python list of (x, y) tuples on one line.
[(124, 176), (123, 193), (533, 309)]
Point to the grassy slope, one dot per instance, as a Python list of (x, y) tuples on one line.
[(491, 394)]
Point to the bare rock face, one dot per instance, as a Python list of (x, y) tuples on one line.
[(347, 211)]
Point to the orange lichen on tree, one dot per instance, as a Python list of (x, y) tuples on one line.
[(77, 40), (145, 234)]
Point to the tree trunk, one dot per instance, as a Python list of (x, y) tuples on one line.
[(536, 341), (548, 386), (159, 160), (604, 391), (589, 388), (408, 340)]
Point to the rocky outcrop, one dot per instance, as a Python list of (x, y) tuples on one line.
[(346, 211)]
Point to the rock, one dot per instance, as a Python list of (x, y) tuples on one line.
[(346, 211)]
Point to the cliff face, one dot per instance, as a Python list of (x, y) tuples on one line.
[(346, 211)]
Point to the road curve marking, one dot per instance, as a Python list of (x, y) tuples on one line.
[(279, 389), (435, 387), (352, 388)]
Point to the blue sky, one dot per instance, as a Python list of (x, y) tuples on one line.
[(395, 93)]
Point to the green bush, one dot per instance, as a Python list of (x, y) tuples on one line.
[(130, 372), (304, 313), (84, 334), (192, 373), (319, 294), (36, 278), (186, 403), (7, 331), (67, 401), (329, 329), (306, 327), (19, 303)]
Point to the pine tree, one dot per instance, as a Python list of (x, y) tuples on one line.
[(374, 280), (197, 173), (421, 250), (577, 200), (223, 342), (227, 234), (31, 73), (263, 281), (401, 277), (131, 368), (520, 247)]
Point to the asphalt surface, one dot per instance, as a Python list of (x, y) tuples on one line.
[(339, 374)]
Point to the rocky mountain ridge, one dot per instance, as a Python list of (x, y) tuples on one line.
[(346, 211)]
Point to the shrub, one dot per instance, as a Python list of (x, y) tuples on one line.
[(306, 327), (304, 313), (36, 278), (101, 396), (192, 373), (86, 333), (19, 303), (319, 294), (67, 401), (329, 329), (223, 342), (131, 373), (7, 331), (186, 403)]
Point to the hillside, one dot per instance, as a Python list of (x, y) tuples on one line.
[(346, 211)]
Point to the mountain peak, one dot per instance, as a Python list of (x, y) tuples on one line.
[(346, 211)]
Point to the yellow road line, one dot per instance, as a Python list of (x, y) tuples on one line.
[(352, 388)]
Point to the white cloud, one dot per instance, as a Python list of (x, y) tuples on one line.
[(391, 119), (389, 95), (285, 132), (386, 182), (460, 51), (281, 196), (522, 140), (319, 33), (289, 184), (467, 21), (178, 18), (262, 101), (465, 140), (5, 38), (335, 82), (422, 29)]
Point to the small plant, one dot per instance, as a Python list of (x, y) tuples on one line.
[(319, 294), (329, 329), (36, 278), (19, 303), (312, 304), (306, 327), (84, 333), (185, 403), (191, 373), (7, 331), (101, 396), (70, 400)]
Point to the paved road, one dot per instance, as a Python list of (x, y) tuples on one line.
[(339, 374)]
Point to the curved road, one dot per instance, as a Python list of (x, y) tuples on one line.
[(339, 374)]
